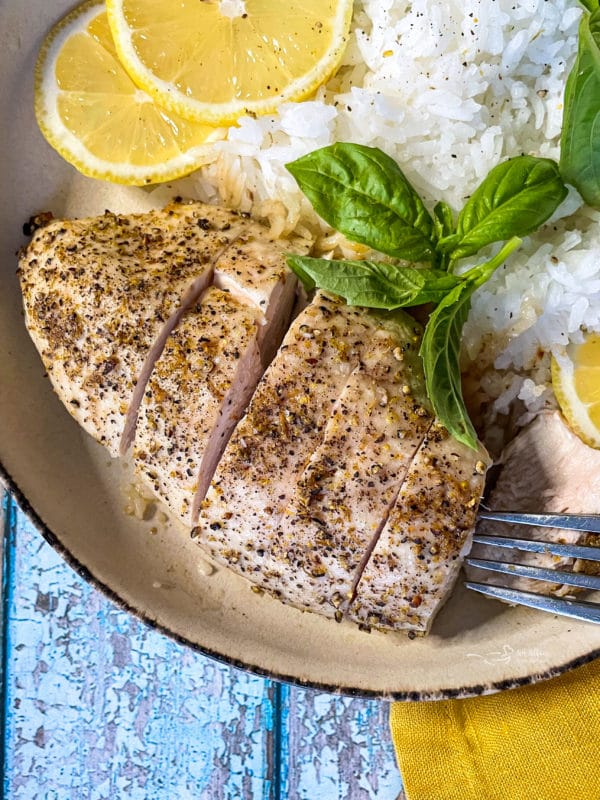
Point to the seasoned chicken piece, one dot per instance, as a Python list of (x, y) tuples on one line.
[(337, 492), (285, 422), (310, 474), (209, 369), (415, 561), (345, 492), (98, 291), (545, 469)]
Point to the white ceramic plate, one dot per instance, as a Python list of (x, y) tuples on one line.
[(73, 491)]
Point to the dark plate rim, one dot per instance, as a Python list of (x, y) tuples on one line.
[(350, 691)]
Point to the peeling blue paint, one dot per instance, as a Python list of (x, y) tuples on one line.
[(98, 706)]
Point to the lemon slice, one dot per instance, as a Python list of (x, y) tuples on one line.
[(576, 383), (89, 109), (215, 60)]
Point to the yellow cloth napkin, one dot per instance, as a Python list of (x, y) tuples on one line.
[(538, 742)]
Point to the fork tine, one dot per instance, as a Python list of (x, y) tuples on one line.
[(538, 573), (570, 522), (589, 612), (538, 546)]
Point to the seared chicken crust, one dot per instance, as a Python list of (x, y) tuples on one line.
[(337, 492), (336, 466), (96, 293)]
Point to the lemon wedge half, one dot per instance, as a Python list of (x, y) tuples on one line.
[(92, 113), (216, 60), (576, 383)]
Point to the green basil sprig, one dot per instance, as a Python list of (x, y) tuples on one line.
[(442, 220), (440, 348), (580, 138), (363, 193), (374, 284), (515, 198)]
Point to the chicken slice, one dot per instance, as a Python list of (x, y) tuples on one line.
[(194, 291), (545, 469), (284, 424), (97, 292), (209, 369), (343, 496), (415, 561), (311, 472)]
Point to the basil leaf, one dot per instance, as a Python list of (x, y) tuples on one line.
[(580, 138), (442, 219), (591, 5), (374, 284), (296, 264), (363, 193), (440, 349), (443, 225), (514, 199)]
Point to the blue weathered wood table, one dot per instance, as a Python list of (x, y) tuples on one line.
[(97, 706)]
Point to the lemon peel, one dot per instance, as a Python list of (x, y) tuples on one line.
[(576, 383), (216, 61), (91, 112)]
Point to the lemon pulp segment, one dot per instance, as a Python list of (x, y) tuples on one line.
[(90, 110), (215, 61), (576, 382)]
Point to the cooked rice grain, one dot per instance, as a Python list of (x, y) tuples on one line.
[(448, 90)]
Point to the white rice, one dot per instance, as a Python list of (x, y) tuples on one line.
[(448, 90)]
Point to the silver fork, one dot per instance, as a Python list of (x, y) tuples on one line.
[(586, 523)]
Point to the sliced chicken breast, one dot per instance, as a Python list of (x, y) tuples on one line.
[(257, 475), (337, 492), (209, 368), (98, 291), (545, 469), (346, 490), (337, 437), (415, 561)]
